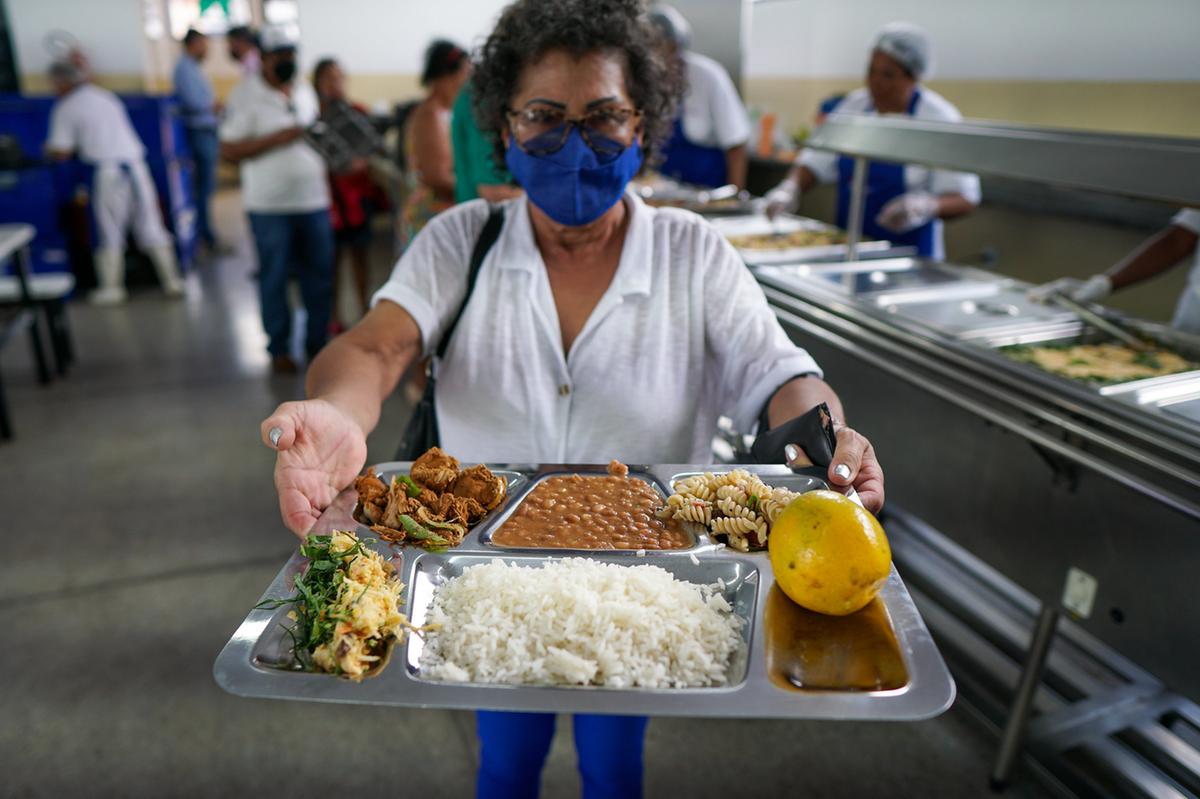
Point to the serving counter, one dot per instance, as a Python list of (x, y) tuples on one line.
[(1083, 493)]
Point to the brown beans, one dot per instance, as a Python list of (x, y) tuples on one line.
[(592, 512)]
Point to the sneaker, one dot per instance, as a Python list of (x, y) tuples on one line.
[(283, 365), (113, 295)]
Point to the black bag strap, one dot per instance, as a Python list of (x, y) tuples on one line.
[(487, 237)]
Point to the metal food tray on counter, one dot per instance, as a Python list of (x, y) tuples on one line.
[(663, 192), (880, 663), (760, 225), (979, 313)]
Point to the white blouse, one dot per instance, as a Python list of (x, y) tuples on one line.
[(682, 336)]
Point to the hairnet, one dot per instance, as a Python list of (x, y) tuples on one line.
[(908, 45), (672, 24), (65, 72), (273, 38)]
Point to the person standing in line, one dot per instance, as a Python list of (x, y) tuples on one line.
[(476, 171), (199, 110), (90, 122), (285, 193), (244, 49), (428, 152), (356, 197)]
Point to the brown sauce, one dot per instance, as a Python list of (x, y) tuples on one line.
[(813, 652), (591, 512)]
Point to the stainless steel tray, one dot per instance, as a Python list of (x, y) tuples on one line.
[(757, 224), (844, 662)]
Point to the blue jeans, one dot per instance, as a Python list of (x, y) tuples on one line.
[(205, 147), (515, 746), (300, 244)]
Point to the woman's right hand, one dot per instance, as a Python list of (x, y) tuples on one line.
[(321, 449)]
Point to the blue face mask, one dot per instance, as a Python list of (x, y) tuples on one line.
[(574, 185)]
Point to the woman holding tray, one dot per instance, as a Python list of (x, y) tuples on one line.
[(597, 327)]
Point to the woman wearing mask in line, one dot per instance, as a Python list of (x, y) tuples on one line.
[(427, 148), (904, 204), (599, 327)]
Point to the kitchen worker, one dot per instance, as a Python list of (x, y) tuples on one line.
[(599, 327), (90, 122), (903, 204), (1156, 255), (285, 192), (708, 144)]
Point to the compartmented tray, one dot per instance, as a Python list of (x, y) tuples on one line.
[(880, 663), (786, 223)]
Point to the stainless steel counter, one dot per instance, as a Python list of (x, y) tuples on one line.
[(1030, 471)]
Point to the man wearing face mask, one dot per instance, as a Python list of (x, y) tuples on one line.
[(285, 192)]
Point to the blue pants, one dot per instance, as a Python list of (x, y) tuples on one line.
[(299, 244), (205, 147), (515, 746)]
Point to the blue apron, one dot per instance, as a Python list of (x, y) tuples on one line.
[(885, 182), (691, 163)]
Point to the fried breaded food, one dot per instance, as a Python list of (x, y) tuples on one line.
[(428, 498), (478, 483), (435, 469), (372, 495)]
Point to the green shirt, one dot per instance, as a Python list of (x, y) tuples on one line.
[(474, 162)]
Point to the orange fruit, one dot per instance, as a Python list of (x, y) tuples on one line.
[(829, 554)]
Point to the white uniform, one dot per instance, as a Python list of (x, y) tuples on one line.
[(289, 179), (931, 106), (681, 336), (1187, 312), (91, 122), (712, 113)]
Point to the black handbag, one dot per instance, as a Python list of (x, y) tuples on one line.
[(421, 433)]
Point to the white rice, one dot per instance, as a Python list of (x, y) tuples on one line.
[(579, 622)]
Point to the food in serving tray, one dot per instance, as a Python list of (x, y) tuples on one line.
[(612, 511), (737, 507), (1100, 363), (577, 621), (346, 610), (829, 554), (433, 506), (787, 241)]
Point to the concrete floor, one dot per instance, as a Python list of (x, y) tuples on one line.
[(141, 525)]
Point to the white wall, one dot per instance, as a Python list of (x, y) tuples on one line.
[(1130, 40), (110, 32), (390, 36)]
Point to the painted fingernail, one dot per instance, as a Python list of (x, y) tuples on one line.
[(275, 434), (842, 471), (791, 452)]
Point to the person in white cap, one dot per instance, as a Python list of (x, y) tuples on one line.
[(904, 204), (285, 192), (708, 146), (90, 122), (1156, 255)]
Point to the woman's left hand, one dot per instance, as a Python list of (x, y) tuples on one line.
[(855, 466)]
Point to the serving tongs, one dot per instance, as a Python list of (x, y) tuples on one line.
[(1099, 322)]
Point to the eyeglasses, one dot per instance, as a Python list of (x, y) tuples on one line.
[(542, 130)]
